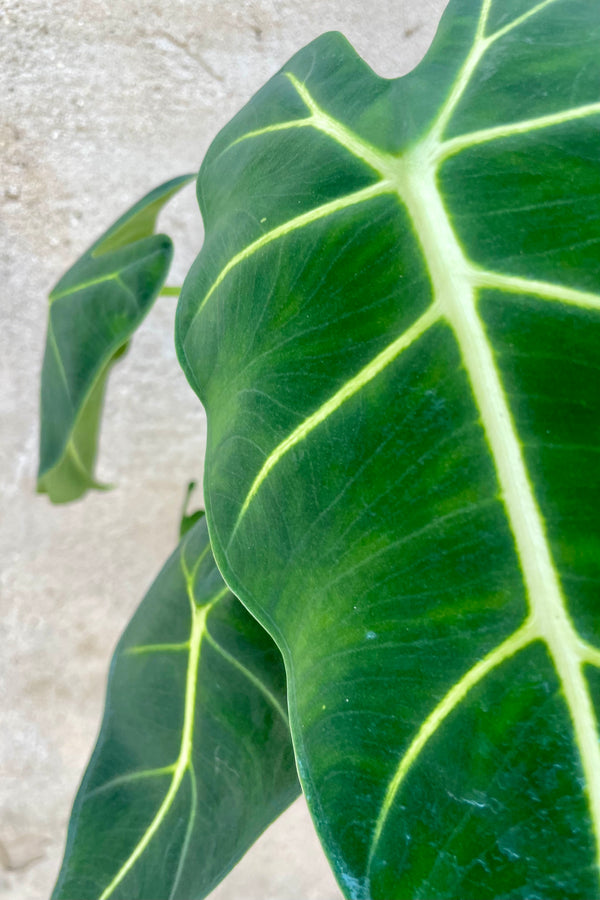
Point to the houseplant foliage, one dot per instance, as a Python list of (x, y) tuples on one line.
[(393, 326), (194, 757), (396, 349), (94, 309), (194, 748)]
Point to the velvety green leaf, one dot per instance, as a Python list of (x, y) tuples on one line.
[(194, 758), (94, 310), (394, 326)]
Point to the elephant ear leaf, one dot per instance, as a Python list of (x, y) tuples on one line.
[(94, 310), (194, 758), (394, 326)]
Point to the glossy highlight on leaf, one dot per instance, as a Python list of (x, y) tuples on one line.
[(394, 327), (194, 757), (94, 310)]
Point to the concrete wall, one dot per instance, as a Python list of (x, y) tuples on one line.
[(102, 100)]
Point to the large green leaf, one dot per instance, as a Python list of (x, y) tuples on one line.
[(94, 310), (194, 758), (394, 327)]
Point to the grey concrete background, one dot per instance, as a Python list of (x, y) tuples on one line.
[(100, 101)]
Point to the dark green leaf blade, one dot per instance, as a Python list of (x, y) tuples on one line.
[(398, 353), (194, 757), (94, 310)]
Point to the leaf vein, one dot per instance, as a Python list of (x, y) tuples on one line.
[(307, 218), (513, 644), (251, 677), (341, 396)]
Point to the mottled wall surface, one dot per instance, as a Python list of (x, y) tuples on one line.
[(100, 101)]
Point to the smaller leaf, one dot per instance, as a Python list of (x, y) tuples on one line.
[(94, 310), (188, 520), (194, 757)]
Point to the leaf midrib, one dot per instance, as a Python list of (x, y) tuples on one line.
[(198, 613), (455, 285), (184, 759)]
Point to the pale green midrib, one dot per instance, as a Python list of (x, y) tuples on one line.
[(250, 676), (185, 752), (513, 644), (188, 832), (455, 290), (190, 576), (183, 763)]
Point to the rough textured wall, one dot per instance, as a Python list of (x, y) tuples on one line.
[(100, 102)]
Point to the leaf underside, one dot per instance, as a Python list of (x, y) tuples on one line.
[(194, 757), (393, 325), (94, 310)]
